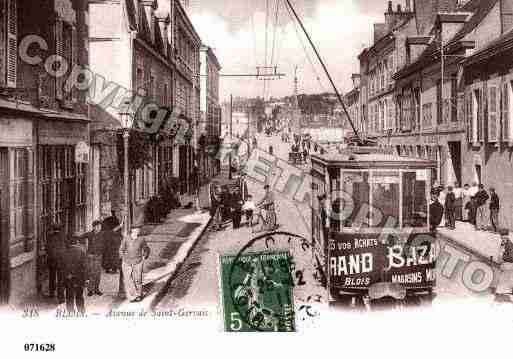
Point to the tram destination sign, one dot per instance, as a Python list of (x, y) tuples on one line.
[(361, 260)]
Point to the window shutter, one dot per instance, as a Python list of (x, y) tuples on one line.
[(59, 50), (470, 116), (492, 114), (12, 43), (74, 59), (480, 114), (505, 113)]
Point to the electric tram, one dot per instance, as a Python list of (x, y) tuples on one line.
[(370, 226)]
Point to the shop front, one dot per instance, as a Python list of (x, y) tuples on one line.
[(62, 167)]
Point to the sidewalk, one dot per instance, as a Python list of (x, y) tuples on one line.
[(482, 244)]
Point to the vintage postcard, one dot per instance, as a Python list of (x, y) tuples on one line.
[(187, 175)]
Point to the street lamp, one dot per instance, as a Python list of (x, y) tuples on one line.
[(127, 119)]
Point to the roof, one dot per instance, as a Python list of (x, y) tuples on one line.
[(479, 8), (370, 157), (42, 113), (388, 35), (499, 45)]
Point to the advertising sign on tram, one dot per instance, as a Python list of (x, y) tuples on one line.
[(357, 262)]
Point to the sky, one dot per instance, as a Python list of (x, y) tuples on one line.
[(236, 30)]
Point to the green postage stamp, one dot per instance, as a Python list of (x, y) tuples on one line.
[(256, 291)]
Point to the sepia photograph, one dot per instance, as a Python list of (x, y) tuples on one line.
[(301, 168)]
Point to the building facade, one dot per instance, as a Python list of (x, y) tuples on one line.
[(210, 125), (450, 91), (44, 137)]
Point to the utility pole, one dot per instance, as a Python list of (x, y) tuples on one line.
[(231, 133)]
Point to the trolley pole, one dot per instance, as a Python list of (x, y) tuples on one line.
[(231, 132)]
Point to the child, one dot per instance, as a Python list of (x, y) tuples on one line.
[(249, 208)]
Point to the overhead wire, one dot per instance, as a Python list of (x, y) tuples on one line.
[(305, 50)]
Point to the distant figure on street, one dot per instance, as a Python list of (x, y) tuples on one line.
[(465, 203), (112, 228), (450, 208), (271, 150), (305, 155), (480, 203), (472, 192), (236, 205), (504, 288), (133, 252), (249, 209), (215, 207), (458, 205), (95, 251), (55, 249), (75, 272), (436, 212), (494, 209)]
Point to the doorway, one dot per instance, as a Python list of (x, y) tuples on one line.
[(478, 174), (5, 268), (455, 153)]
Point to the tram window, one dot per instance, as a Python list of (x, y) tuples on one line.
[(356, 185), (414, 199), (385, 198)]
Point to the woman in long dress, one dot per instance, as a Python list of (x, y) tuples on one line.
[(133, 251)]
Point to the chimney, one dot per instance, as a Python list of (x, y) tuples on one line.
[(426, 11), (163, 20), (408, 6), (380, 30), (149, 10)]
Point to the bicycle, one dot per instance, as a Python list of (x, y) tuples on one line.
[(268, 221)]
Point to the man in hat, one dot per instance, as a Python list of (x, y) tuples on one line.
[(95, 244), (504, 289), (75, 274), (55, 248), (267, 203), (450, 208)]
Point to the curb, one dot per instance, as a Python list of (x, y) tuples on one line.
[(168, 277), (469, 250), (161, 283)]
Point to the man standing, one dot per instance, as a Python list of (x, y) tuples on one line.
[(75, 273), (505, 283), (494, 209), (450, 208), (112, 229), (55, 249), (472, 192), (480, 200), (436, 212), (458, 205), (95, 250)]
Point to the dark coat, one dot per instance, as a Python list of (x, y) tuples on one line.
[(450, 201), (96, 242), (494, 201), (75, 264), (481, 197), (436, 212), (55, 246)]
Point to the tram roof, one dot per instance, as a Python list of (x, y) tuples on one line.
[(362, 157)]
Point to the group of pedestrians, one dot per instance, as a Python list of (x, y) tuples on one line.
[(75, 263), (226, 205), (471, 204)]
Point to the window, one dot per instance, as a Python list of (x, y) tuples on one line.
[(506, 113), (152, 92), (415, 211), (385, 197), (493, 108), (427, 114), (140, 79), (454, 99), (439, 105), (477, 110), (22, 184), (11, 48), (67, 50), (356, 185), (81, 198)]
